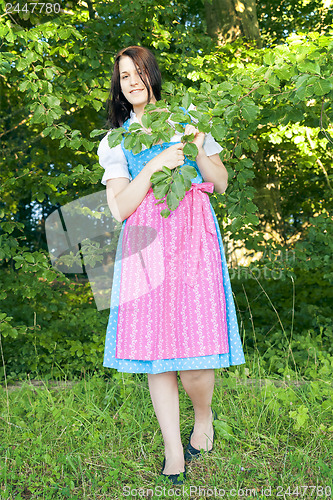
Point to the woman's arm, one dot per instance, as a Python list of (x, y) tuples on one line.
[(124, 196), (213, 170)]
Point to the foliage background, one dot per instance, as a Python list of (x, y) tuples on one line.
[(273, 116)]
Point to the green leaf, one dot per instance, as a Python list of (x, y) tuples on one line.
[(159, 176), (301, 80), (160, 117), (48, 73), (75, 143), (188, 172), (237, 223), (252, 219), (146, 120), (179, 128), (97, 104), (115, 137), (224, 430), (97, 131), (40, 196), (187, 138), (165, 136), (180, 118), (137, 148), (161, 190), (249, 112), (254, 146), (322, 87), (220, 107), (238, 150), (5, 67), (284, 73), (129, 141), (63, 52), (224, 86), (186, 101), (263, 90), (134, 127), (206, 88), (150, 107), (190, 150), (269, 57), (29, 258), (146, 140), (40, 111), (22, 64), (165, 212), (188, 182), (172, 201), (52, 101), (166, 170), (309, 67), (49, 275), (236, 91), (273, 81), (48, 130), (178, 186), (169, 88), (23, 86), (218, 131)]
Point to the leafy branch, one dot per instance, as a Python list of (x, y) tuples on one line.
[(159, 124)]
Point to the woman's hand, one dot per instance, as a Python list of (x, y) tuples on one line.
[(171, 157), (199, 137)]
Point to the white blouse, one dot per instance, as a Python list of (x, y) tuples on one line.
[(114, 162)]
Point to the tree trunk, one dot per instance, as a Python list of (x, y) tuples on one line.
[(231, 19)]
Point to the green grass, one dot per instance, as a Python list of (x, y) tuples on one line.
[(93, 438)]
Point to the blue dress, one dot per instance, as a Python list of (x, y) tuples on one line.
[(235, 356)]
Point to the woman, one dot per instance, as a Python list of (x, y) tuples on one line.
[(171, 306)]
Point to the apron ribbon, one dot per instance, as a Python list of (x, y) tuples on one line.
[(201, 221)]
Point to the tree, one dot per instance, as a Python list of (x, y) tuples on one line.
[(228, 20)]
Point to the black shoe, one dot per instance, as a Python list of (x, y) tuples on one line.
[(174, 478), (192, 452)]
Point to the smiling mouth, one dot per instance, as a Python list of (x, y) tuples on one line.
[(136, 90)]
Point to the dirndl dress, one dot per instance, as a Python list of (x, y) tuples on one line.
[(171, 301)]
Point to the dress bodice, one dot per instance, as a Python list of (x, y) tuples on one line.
[(136, 162)]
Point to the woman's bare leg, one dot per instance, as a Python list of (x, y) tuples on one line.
[(199, 385), (163, 389)]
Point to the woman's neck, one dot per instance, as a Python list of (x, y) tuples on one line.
[(139, 110)]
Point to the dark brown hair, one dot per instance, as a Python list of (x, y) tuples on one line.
[(117, 107)]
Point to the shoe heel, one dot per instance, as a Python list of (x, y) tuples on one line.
[(174, 478), (190, 452)]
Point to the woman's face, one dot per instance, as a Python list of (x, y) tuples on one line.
[(132, 86)]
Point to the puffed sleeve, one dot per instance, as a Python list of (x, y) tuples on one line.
[(113, 161), (210, 146)]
